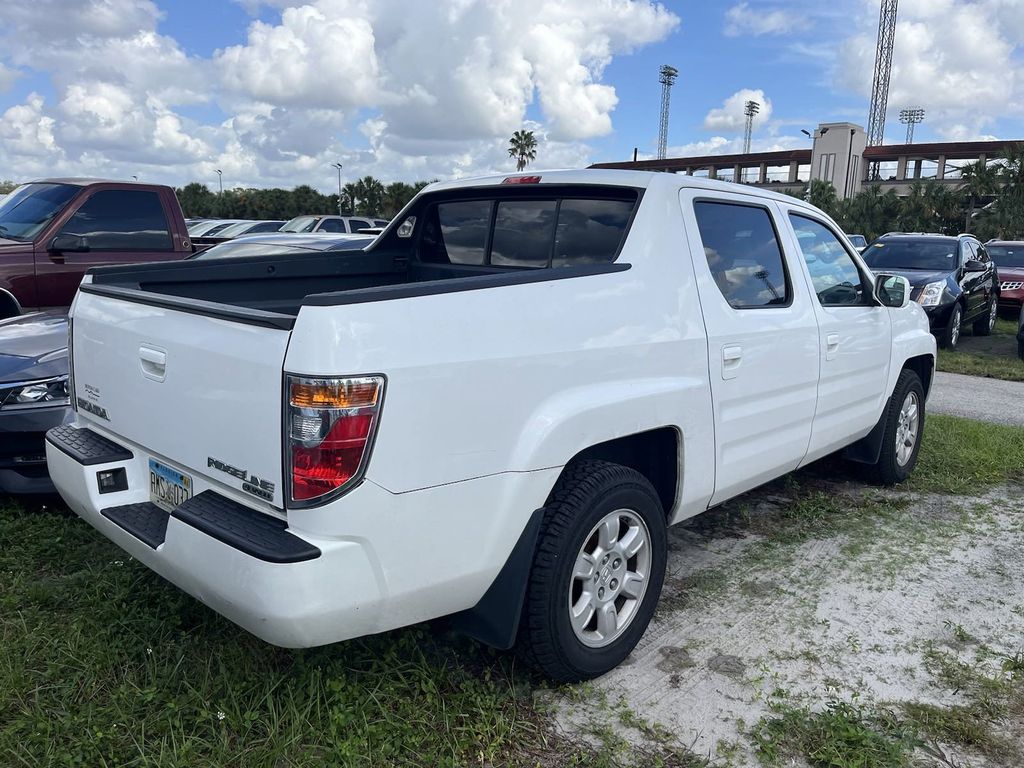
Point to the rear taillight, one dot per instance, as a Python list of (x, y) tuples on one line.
[(330, 424)]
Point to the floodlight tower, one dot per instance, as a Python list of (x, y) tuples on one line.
[(667, 77), (911, 117), (883, 68), (750, 109)]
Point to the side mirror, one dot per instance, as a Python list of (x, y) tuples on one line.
[(69, 243), (973, 265), (892, 291)]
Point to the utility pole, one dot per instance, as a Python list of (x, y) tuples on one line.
[(883, 68), (220, 180), (667, 77), (338, 166), (911, 117)]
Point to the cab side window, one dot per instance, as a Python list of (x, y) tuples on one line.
[(836, 279), (743, 253), (121, 220)]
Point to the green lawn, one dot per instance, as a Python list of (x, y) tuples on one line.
[(102, 663), (993, 356)]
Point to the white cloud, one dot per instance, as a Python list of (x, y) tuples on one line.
[(720, 145), (956, 59), (730, 116), (742, 19)]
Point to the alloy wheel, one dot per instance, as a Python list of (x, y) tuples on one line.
[(908, 428), (609, 578)]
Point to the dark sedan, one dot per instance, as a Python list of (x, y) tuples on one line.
[(952, 278), (33, 396)]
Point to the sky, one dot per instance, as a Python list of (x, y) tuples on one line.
[(272, 92)]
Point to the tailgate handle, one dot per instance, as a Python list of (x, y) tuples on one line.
[(153, 362)]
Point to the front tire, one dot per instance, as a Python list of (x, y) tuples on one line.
[(904, 430), (950, 337), (984, 325), (597, 572)]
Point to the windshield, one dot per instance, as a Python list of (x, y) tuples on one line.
[(912, 254), (231, 250), (300, 224), (30, 207), (1007, 255)]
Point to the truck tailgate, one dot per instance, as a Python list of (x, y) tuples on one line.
[(201, 393)]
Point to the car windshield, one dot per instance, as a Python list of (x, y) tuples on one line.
[(30, 207), (300, 224), (234, 250), (912, 254), (1007, 255)]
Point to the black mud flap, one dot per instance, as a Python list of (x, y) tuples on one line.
[(494, 620)]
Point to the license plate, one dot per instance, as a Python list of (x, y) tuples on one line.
[(168, 488)]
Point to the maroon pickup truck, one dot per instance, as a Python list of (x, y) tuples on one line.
[(52, 231)]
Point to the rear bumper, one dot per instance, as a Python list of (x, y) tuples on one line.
[(22, 448), (329, 597), (393, 559)]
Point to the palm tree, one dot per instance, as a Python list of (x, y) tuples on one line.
[(980, 180), (523, 148)]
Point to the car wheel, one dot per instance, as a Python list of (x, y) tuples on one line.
[(983, 325), (597, 572), (904, 429), (950, 337)]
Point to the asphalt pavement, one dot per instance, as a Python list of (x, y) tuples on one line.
[(973, 397)]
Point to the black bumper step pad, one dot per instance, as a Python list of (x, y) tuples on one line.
[(259, 535), (85, 446), (145, 521)]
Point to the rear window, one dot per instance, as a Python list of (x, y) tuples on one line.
[(521, 233)]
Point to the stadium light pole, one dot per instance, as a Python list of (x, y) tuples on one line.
[(339, 167), (220, 180), (910, 117)]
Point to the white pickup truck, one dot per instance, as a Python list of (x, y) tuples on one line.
[(492, 414)]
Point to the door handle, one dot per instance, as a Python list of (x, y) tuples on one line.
[(831, 345), (153, 362), (732, 357)]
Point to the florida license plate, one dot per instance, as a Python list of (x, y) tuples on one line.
[(168, 488)]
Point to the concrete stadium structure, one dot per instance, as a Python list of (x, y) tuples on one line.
[(839, 155)]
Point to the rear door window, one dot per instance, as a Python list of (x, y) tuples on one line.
[(121, 220), (744, 255)]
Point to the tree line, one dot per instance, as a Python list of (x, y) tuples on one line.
[(988, 203), (366, 197)]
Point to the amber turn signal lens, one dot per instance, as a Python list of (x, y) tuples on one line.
[(345, 393)]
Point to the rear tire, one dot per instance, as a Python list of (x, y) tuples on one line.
[(604, 533), (950, 336), (983, 325), (904, 430)]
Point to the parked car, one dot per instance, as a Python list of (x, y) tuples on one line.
[(493, 412), (1008, 256), (281, 244), (250, 228), (859, 242), (52, 231), (953, 278), (199, 228), (350, 224), (33, 396)]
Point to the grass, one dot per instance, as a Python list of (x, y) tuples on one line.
[(993, 356), (842, 735), (964, 456)]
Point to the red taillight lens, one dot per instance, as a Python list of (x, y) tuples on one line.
[(331, 423)]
